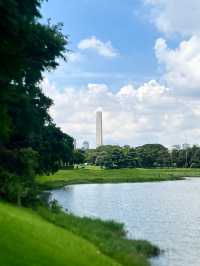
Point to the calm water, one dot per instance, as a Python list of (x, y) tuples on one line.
[(167, 214)]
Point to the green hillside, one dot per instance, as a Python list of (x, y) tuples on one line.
[(26, 239)]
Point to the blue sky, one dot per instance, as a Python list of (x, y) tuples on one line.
[(138, 60), (124, 25)]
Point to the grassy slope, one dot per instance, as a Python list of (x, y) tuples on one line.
[(26, 239), (108, 236), (64, 177)]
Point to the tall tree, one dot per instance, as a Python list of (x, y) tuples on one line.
[(27, 49)]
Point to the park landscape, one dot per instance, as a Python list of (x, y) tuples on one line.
[(109, 204), (49, 230)]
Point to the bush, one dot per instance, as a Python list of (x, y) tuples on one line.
[(55, 206)]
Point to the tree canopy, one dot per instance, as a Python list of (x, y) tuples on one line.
[(29, 141), (146, 156)]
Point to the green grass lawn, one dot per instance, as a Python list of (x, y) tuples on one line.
[(26, 239), (77, 176)]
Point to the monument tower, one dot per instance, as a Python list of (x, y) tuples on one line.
[(99, 129)]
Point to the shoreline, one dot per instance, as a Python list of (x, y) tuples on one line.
[(110, 237), (60, 184), (84, 176)]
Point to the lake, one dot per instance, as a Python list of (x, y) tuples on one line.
[(165, 213)]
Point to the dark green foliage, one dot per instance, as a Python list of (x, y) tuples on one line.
[(153, 155), (146, 156), (54, 147), (110, 157), (90, 156), (78, 156), (29, 141), (189, 157), (194, 157), (55, 207), (104, 159), (150, 155), (17, 174)]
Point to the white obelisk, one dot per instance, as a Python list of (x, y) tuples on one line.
[(99, 129)]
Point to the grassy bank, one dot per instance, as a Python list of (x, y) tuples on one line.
[(108, 236), (78, 176), (26, 239), (44, 238)]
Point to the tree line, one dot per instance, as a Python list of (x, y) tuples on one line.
[(146, 156), (30, 143)]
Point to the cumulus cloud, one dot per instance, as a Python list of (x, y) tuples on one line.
[(181, 65), (102, 48), (176, 16), (149, 113)]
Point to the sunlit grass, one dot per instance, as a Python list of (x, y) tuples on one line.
[(26, 239), (77, 176)]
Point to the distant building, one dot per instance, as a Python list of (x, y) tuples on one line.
[(85, 145), (179, 147), (99, 129), (196, 145), (176, 147), (185, 146)]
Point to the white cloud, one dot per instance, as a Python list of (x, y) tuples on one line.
[(74, 57), (176, 16), (181, 65), (149, 113), (102, 48), (152, 112)]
